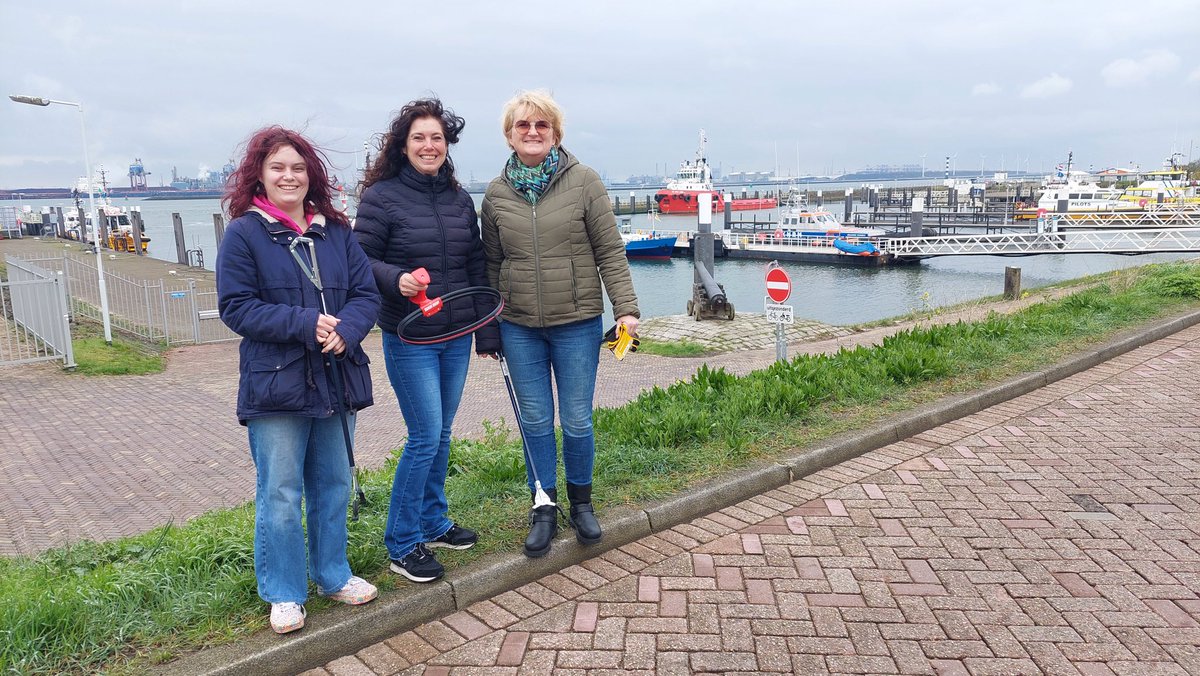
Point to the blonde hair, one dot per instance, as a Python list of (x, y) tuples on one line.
[(539, 101)]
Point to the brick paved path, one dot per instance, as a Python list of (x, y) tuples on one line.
[(1055, 533)]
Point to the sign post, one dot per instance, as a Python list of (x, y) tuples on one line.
[(779, 289)]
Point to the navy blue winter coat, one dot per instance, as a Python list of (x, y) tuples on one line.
[(415, 221), (265, 297)]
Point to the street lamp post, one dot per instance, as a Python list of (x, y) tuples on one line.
[(87, 167)]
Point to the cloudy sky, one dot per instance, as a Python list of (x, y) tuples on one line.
[(819, 87)]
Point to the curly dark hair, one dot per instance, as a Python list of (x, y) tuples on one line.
[(391, 156), (244, 184)]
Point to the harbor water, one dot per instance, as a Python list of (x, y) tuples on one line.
[(825, 293)]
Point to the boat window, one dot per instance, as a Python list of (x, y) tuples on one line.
[(1086, 196), (1073, 196)]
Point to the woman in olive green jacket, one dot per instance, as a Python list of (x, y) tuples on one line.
[(551, 240)]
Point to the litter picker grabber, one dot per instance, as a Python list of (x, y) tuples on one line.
[(540, 497), (312, 270)]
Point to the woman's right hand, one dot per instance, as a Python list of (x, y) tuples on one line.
[(409, 286)]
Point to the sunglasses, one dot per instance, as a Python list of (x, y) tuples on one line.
[(523, 126)]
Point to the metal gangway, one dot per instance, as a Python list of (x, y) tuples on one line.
[(1160, 216), (1112, 241)]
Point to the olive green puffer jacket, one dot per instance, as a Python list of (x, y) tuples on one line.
[(547, 260)]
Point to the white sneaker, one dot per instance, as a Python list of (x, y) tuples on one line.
[(355, 592), (287, 616)]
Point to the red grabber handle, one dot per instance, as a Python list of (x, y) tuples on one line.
[(429, 306)]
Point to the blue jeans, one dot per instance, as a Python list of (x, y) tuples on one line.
[(298, 456), (571, 352), (428, 380)]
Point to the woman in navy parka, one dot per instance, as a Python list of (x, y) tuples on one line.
[(285, 393)]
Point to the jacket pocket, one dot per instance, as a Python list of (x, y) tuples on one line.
[(357, 371), (574, 286), (277, 381)]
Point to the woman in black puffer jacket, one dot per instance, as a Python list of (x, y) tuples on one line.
[(414, 214)]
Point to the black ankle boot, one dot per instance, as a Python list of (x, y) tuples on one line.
[(543, 525), (587, 528)]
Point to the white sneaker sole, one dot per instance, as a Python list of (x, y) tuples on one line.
[(445, 545), (400, 570)]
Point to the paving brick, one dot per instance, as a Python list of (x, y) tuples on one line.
[(589, 659), (481, 652), (411, 647), (563, 586), (640, 652), (516, 604), (586, 615), (467, 625), (722, 661), (348, 666), (512, 649), (382, 659)]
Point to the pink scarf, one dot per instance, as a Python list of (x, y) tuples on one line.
[(278, 214)]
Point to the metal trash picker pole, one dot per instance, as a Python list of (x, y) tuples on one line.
[(313, 272), (540, 497)]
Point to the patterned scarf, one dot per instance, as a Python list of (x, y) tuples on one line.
[(531, 182)]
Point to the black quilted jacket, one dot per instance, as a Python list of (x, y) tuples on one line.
[(412, 221)]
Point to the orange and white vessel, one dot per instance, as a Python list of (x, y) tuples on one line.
[(681, 196)]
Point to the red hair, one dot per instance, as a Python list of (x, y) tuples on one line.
[(244, 184)]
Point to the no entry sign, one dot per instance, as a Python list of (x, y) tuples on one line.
[(779, 286)]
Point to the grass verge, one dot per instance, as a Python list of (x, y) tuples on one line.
[(676, 348), (94, 357), (126, 604)]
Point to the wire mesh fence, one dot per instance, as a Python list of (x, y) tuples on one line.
[(176, 314)]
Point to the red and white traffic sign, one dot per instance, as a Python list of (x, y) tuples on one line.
[(779, 286)]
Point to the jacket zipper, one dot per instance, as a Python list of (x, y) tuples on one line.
[(537, 266), (445, 263)]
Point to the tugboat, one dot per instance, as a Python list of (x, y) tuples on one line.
[(682, 195)]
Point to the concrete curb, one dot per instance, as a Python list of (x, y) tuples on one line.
[(346, 630)]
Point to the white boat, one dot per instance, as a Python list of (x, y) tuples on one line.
[(117, 222), (1168, 185), (1083, 197), (1074, 192), (805, 229)]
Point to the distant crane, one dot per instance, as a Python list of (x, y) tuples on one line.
[(137, 175)]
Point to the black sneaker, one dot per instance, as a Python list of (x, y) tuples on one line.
[(455, 538), (419, 565)]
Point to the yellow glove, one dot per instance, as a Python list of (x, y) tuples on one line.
[(620, 342)]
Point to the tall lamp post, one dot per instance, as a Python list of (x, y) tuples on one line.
[(87, 167)]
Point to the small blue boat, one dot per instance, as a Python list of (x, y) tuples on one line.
[(649, 247)]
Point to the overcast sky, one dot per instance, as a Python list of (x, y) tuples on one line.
[(817, 86)]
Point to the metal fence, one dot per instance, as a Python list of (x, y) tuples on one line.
[(34, 316), (155, 311), (9, 225)]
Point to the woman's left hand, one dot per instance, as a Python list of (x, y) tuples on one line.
[(334, 343), (631, 324)]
